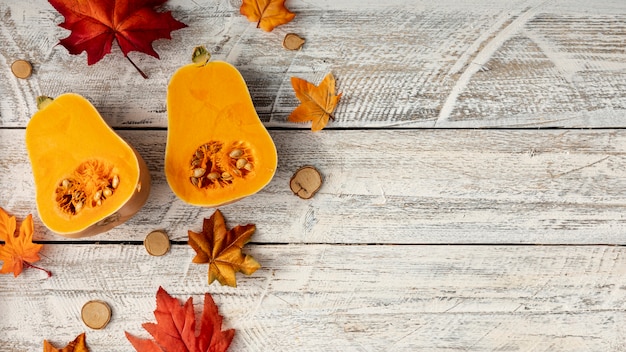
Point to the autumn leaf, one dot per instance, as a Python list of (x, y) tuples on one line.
[(78, 345), (266, 13), (317, 103), (18, 249), (222, 249), (7, 225), (134, 24), (175, 329)]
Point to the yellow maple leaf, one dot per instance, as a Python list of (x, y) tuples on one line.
[(78, 345), (18, 249), (317, 103), (266, 13), (221, 249)]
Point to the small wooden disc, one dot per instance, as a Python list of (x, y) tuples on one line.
[(305, 182), (21, 68), (293, 41), (96, 314), (157, 243)]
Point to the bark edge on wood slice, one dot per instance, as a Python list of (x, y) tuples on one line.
[(305, 182), (157, 243), (96, 314)]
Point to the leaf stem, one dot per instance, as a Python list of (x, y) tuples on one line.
[(137, 68), (29, 265)]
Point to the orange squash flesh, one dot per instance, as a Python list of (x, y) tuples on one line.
[(211, 103), (61, 138)]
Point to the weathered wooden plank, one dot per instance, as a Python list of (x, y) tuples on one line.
[(405, 186), (334, 297), (399, 63)]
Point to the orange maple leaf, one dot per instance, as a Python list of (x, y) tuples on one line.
[(175, 329), (94, 25), (222, 249), (78, 345), (317, 103), (18, 250), (266, 13)]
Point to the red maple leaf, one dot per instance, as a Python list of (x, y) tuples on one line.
[(134, 24), (175, 329)]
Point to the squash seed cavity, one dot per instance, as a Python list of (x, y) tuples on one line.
[(215, 165), (88, 186)]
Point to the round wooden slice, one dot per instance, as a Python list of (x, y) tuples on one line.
[(157, 243), (96, 314), (293, 41), (21, 69), (305, 182)]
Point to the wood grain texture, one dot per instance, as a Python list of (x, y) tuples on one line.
[(399, 64), (415, 186), (338, 298), (420, 238)]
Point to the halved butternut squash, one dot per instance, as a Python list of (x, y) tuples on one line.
[(218, 151), (87, 178)]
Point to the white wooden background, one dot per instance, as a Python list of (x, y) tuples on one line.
[(474, 194)]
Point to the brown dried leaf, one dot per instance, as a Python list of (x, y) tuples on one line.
[(221, 249)]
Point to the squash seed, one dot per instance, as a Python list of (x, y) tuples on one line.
[(241, 163), (115, 182), (198, 172), (107, 192), (213, 176), (248, 166), (227, 176), (235, 153)]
